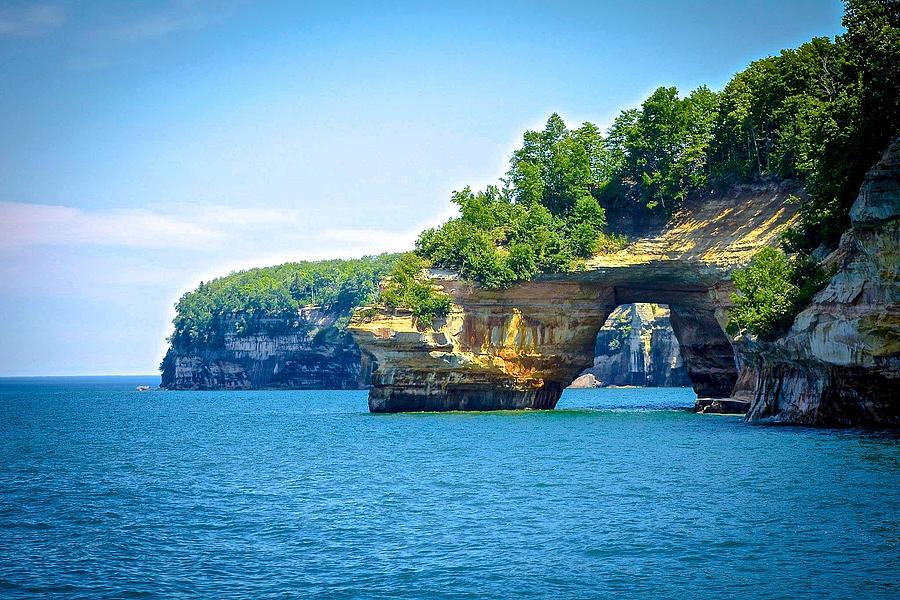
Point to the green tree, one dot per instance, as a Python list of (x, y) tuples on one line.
[(247, 298), (771, 290), (408, 287)]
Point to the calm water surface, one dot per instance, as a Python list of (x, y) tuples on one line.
[(108, 492)]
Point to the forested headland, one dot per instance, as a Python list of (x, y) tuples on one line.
[(819, 115), (247, 297)]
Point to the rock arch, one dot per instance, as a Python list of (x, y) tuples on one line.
[(520, 347)]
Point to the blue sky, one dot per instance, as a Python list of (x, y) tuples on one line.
[(146, 146)]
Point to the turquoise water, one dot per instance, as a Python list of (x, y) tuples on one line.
[(108, 492)]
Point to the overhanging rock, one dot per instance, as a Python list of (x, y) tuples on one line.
[(520, 347)]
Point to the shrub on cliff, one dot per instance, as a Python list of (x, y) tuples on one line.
[(408, 287), (771, 290)]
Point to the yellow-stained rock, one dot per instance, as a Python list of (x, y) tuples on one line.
[(520, 347)]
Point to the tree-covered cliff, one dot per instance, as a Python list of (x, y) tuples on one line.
[(820, 114), (245, 299), (282, 326)]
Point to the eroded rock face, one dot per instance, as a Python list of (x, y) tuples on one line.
[(840, 362), (520, 347), (505, 349), (316, 356), (305, 352), (636, 346)]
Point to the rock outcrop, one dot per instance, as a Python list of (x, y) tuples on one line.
[(520, 347), (306, 351), (840, 362), (636, 346)]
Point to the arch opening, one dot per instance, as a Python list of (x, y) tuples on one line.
[(707, 361), (636, 346)]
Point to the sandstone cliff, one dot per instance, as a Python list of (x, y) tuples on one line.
[(636, 346), (307, 351), (840, 362), (519, 347)]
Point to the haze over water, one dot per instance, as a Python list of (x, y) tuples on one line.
[(107, 492)]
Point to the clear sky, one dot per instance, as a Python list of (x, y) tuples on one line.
[(146, 146)]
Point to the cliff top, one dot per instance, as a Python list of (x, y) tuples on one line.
[(719, 231)]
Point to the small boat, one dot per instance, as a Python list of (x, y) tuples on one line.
[(143, 388)]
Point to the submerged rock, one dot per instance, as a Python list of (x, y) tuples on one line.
[(721, 406)]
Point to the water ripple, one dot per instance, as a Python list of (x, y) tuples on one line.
[(110, 493)]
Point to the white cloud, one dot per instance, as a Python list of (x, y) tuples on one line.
[(375, 241), (181, 15), (30, 20), (23, 225), (214, 228)]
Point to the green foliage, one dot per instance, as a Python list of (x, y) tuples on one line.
[(246, 298), (771, 290), (660, 149), (819, 114), (610, 243), (556, 167), (407, 287), (545, 219), (822, 113), (622, 328)]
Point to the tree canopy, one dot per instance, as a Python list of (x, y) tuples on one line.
[(246, 296), (819, 114), (545, 218)]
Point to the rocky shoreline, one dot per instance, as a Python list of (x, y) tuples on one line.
[(635, 348), (304, 351), (839, 364), (519, 348)]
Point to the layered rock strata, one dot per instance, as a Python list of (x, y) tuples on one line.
[(520, 347), (840, 362), (305, 351)]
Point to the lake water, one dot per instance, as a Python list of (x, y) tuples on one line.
[(108, 492)]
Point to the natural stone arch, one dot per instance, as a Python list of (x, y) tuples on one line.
[(520, 347)]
